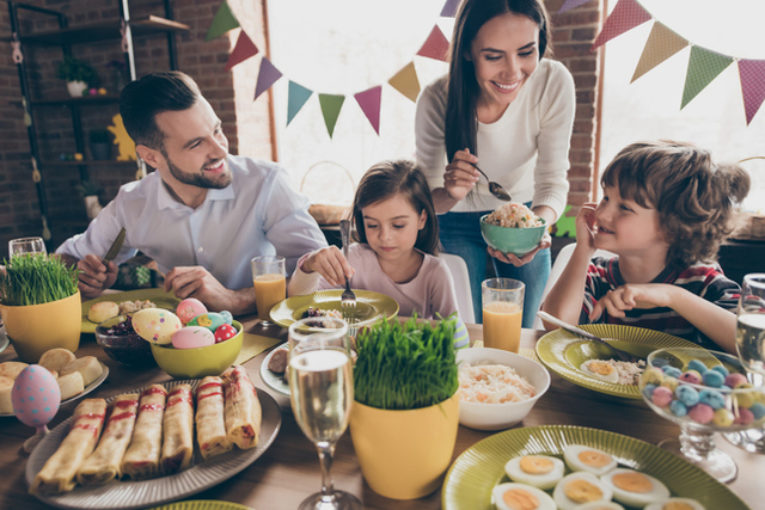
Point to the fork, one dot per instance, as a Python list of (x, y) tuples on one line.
[(348, 298)]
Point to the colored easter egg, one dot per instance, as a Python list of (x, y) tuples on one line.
[(672, 371), (156, 325), (691, 376), (461, 337), (723, 418), (227, 317), (648, 390), (191, 337), (712, 398), (224, 332), (745, 417), (35, 396), (713, 378), (721, 369), (678, 408), (735, 380), (210, 320), (758, 410), (661, 396), (745, 399), (701, 413), (697, 365), (189, 308), (653, 375), (687, 395)]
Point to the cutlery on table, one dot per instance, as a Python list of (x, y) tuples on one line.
[(495, 188), (622, 355), (348, 298), (114, 249)]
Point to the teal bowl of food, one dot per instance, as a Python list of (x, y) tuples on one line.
[(517, 240)]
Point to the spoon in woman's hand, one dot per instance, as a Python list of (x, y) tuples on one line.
[(495, 188)]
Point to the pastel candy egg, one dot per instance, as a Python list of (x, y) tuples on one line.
[(224, 332), (723, 418), (661, 396), (697, 365), (210, 320), (691, 376), (701, 413), (745, 417), (758, 410), (713, 378), (687, 395), (745, 399), (670, 383), (659, 362), (190, 308), (461, 337), (719, 368), (648, 390), (652, 375), (712, 398), (192, 337), (678, 408), (672, 371), (156, 325), (35, 396), (227, 317), (735, 380)]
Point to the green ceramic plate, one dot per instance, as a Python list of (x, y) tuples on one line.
[(202, 504), (157, 296), (564, 353), (370, 306), (472, 476)]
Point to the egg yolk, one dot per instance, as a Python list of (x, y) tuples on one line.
[(519, 499), (600, 367), (535, 465), (594, 458), (677, 505), (582, 491), (632, 482)]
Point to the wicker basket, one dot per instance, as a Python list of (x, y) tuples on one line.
[(323, 212), (749, 226)]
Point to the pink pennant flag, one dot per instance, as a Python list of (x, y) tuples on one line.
[(752, 76), (436, 46), (369, 101), (626, 15), (571, 4), (267, 76), (243, 49)]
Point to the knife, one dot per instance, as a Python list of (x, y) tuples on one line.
[(114, 249), (623, 355)]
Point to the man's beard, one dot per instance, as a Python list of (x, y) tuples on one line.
[(219, 181)]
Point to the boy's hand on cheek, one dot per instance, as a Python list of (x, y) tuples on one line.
[(629, 296), (585, 226)]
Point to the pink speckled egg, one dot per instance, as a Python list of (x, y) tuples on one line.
[(224, 332), (35, 396), (189, 308), (192, 337), (691, 376), (735, 380), (701, 413), (156, 325), (745, 417), (661, 396)]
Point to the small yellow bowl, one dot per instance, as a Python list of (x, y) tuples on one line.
[(201, 361)]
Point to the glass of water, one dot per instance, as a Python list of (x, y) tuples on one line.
[(26, 246)]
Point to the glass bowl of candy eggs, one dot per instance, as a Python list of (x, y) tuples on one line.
[(704, 392)]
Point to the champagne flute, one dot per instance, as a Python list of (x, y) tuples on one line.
[(321, 393), (26, 246)]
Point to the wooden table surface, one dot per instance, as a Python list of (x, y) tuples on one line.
[(289, 470)]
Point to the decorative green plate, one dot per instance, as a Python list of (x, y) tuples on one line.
[(474, 474), (370, 306), (563, 353), (202, 504), (157, 296)]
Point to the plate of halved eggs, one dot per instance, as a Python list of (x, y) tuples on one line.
[(568, 467)]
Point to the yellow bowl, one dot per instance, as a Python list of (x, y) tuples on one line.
[(201, 361)]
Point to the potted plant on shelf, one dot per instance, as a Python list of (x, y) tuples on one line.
[(40, 305), (90, 191), (406, 411), (100, 144), (78, 74)]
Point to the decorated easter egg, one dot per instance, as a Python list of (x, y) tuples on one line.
[(224, 332), (35, 396), (192, 337), (156, 325), (210, 320), (227, 317), (189, 308), (461, 337)]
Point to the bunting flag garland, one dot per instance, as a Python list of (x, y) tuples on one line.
[(571, 4), (223, 21), (752, 76), (330, 109), (703, 67), (369, 101), (297, 95), (406, 82), (450, 8), (627, 14), (243, 49), (436, 45), (267, 76), (662, 43)]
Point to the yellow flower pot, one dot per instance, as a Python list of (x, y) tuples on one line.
[(33, 329), (404, 453)]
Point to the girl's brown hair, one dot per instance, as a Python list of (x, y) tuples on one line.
[(384, 180), (693, 196)]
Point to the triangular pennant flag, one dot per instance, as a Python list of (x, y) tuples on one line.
[(571, 4), (436, 46), (626, 15), (267, 76), (369, 101), (223, 21), (330, 109), (450, 8), (703, 67), (406, 82), (297, 95), (752, 76), (243, 49), (662, 43)]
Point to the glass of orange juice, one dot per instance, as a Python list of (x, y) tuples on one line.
[(269, 277), (502, 300)]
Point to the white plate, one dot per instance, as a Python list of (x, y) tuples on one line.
[(272, 380), (89, 388), (202, 474)]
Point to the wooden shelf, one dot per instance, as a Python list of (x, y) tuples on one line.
[(82, 101), (102, 31), (88, 162)]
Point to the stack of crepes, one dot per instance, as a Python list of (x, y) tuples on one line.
[(152, 433)]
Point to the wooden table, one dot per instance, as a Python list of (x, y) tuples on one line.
[(289, 470)]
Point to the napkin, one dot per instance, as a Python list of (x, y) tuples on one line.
[(252, 345)]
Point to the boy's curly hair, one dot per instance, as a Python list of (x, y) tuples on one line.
[(693, 196)]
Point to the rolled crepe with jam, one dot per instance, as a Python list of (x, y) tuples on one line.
[(211, 427), (57, 475), (141, 459), (178, 429), (103, 465), (242, 408)]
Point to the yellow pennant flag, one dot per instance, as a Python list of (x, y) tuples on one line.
[(662, 43), (406, 82)]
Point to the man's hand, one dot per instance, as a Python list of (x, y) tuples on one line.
[(197, 282), (95, 277)]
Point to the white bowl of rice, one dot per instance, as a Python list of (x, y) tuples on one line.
[(498, 388)]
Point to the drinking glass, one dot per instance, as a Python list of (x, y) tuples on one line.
[(502, 300), (269, 277), (26, 246), (321, 394)]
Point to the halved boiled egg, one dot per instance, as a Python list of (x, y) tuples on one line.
[(600, 369), (600, 505), (580, 488), (587, 458), (634, 488), (676, 504), (519, 496), (541, 471)]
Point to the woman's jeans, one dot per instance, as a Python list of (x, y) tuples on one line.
[(460, 234)]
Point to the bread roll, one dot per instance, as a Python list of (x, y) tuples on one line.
[(12, 369), (88, 366), (71, 384), (56, 359), (103, 310), (6, 385)]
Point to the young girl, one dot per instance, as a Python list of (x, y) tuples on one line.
[(665, 209), (398, 233)]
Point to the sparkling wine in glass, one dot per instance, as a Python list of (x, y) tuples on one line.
[(26, 246)]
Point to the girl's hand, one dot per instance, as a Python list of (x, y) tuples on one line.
[(330, 263), (511, 258), (585, 227), (460, 175), (629, 296)]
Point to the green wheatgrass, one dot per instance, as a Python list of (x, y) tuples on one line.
[(405, 366), (36, 279)]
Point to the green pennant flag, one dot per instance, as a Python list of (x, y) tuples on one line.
[(297, 95), (703, 67), (330, 109), (223, 21)]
